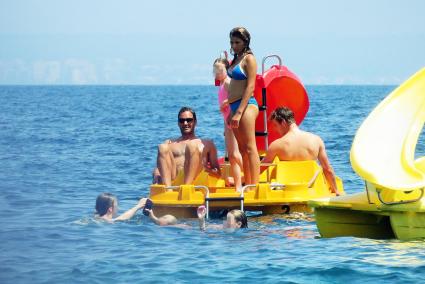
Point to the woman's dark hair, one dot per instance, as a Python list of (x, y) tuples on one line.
[(243, 34), (183, 109), (103, 202), (283, 114), (240, 217)]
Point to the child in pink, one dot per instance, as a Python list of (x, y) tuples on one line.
[(235, 158)]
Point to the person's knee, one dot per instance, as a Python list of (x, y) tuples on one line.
[(233, 157), (192, 148), (250, 149)]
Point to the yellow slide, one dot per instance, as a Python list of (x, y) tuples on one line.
[(383, 149)]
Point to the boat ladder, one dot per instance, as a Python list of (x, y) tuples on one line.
[(240, 198)]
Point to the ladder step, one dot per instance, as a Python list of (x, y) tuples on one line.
[(238, 198), (258, 133)]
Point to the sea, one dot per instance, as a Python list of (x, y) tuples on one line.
[(61, 146)]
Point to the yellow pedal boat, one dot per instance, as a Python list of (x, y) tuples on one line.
[(285, 186), (383, 154)]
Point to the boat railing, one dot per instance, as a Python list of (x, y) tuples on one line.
[(263, 106), (240, 198), (313, 179), (379, 191)]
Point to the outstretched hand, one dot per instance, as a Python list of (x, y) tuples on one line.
[(141, 203), (150, 212), (202, 211)]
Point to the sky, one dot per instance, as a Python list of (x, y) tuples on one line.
[(175, 42)]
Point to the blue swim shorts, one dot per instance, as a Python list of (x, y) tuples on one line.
[(235, 105)]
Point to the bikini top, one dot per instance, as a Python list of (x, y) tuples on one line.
[(237, 73)]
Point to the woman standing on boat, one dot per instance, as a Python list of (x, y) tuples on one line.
[(244, 107)]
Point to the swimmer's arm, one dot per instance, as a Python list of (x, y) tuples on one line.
[(131, 212), (201, 211), (327, 168), (153, 217), (202, 225)]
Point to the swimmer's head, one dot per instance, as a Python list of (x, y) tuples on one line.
[(220, 68), (106, 203), (167, 220), (236, 219)]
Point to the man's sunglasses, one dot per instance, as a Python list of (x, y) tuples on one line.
[(188, 120)]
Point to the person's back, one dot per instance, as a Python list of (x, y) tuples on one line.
[(298, 145)]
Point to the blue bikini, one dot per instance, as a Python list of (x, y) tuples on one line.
[(238, 74)]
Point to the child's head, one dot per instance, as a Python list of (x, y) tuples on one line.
[(236, 219), (220, 68), (167, 220), (106, 203)]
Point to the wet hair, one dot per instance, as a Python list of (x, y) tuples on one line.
[(183, 109), (283, 114), (103, 202), (223, 61), (240, 217), (243, 34)]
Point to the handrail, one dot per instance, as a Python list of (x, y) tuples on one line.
[(264, 99), (206, 193), (267, 57), (378, 191), (274, 185), (313, 179)]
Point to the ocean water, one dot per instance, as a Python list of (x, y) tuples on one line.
[(60, 146)]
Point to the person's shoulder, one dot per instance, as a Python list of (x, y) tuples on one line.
[(310, 135), (315, 138), (175, 140), (250, 58), (279, 143)]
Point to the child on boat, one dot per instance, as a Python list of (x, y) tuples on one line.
[(107, 208), (236, 219), (220, 71)]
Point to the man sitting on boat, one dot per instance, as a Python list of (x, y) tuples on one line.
[(298, 145), (186, 155)]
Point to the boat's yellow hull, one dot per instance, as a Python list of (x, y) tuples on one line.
[(284, 187), (354, 215), (389, 214)]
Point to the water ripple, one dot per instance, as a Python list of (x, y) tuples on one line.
[(61, 146)]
